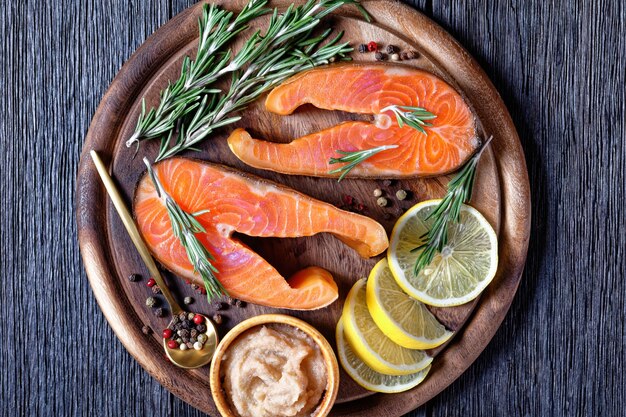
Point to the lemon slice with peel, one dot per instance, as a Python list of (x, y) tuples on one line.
[(369, 378), (371, 345), (458, 274), (401, 318)]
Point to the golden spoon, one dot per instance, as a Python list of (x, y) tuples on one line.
[(190, 358)]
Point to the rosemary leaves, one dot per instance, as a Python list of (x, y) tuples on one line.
[(190, 109), (414, 117), (185, 226), (447, 212), (352, 159)]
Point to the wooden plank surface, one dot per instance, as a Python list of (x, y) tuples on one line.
[(560, 70)]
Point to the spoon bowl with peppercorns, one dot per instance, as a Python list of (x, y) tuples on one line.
[(190, 339)]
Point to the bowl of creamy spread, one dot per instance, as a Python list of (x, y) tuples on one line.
[(274, 365)]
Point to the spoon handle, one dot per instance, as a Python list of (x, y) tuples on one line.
[(134, 234)]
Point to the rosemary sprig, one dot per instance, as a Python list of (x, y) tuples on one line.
[(185, 226), (413, 116), (352, 159), (448, 211), (286, 48), (216, 30)]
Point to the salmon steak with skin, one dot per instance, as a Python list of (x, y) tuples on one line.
[(231, 201), (367, 89)]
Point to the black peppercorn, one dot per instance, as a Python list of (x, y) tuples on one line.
[(230, 301), (189, 345), (392, 49), (156, 290), (182, 316), (188, 300), (146, 329), (175, 321), (218, 305), (159, 312), (201, 328), (239, 304), (183, 333), (193, 333), (134, 277), (412, 55), (380, 56), (217, 318), (404, 56), (363, 48)]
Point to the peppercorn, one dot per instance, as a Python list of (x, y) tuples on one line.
[(151, 282), (218, 305), (412, 55), (193, 333), (380, 56), (395, 57), (134, 277), (175, 321), (202, 338), (217, 318), (372, 46), (151, 301), (146, 329), (189, 345), (172, 344), (160, 312), (404, 56), (167, 333), (332, 59), (194, 287), (192, 340), (363, 48), (392, 49), (201, 328), (182, 316), (401, 194), (378, 192), (156, 290), (239, 304), (183, 333), (382, 201), (183, 346), (188, 300), (387, 183), (197, 346), (230, 301)]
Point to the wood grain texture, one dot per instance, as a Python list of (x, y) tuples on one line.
[(559, 68)]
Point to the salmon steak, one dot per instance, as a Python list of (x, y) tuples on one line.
[(367, 89), (231, 201)]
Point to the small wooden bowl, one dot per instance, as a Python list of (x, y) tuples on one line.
[(332, 384)]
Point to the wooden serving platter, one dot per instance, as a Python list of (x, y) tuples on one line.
[(501, 194)]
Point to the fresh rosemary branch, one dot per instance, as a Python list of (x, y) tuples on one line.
[(448, 211), (178, 99), (286, 48), (185, 226), (413, 116), (355, 158)]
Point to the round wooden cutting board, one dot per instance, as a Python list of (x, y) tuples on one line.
[(501, 194)]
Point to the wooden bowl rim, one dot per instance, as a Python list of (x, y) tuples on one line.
[(330, 360)]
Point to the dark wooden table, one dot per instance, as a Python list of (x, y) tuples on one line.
[(561, 71)]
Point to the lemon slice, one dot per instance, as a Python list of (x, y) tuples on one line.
[(371, 345), (369, 378), (460, 272), (401, 318)]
